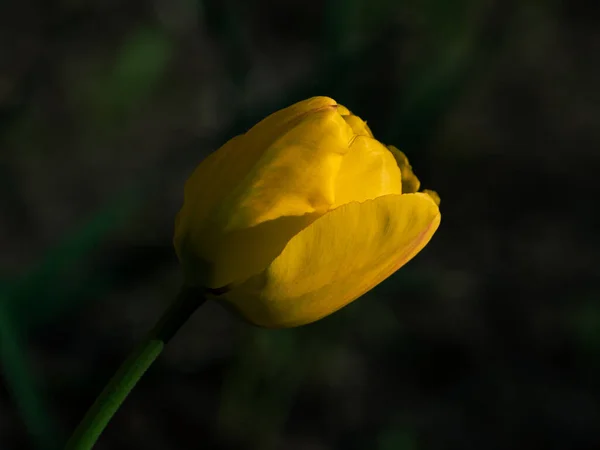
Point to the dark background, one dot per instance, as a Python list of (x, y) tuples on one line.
[(488, 339)]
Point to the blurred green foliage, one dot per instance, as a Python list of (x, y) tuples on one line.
[(270, 365), (395, 439), (59, 281), (21, 381), (52, 288), (262, 383), (585, 323), (460, 39), (111, 95)]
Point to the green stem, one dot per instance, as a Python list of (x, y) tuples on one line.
[(113, 395)]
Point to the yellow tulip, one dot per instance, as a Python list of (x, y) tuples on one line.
[(301, 215)]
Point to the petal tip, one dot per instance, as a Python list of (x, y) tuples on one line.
[(433, 195)]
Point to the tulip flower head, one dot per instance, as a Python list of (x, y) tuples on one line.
[(301, 215)]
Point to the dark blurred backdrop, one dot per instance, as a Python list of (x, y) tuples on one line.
[(489, 339)]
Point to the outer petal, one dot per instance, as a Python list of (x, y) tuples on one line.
[(368, 171), (358, 125), (335, 260), (275, 180), (434, 196), (212, 180), (343, 110), (220, 172), (276, 124), (410, 182), (295, 174)]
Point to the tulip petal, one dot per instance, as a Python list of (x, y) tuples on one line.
[(434, 196), (295, 174), (368, 171), (358, 125), (211, 181), (343, 111), (244, 202), (410, 182), (221, 171), (342, 255), (221, 259)]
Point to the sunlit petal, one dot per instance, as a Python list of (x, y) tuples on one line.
[(338, 258)]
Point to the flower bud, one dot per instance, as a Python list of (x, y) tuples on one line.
[(301, 215)]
